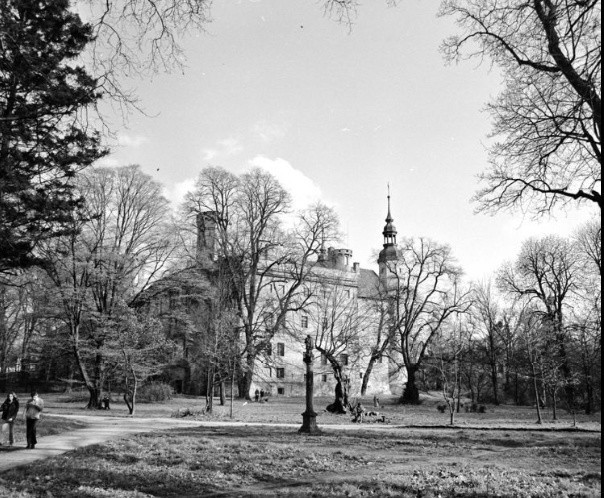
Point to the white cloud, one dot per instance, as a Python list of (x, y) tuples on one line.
[(209, 154), (268, 132), (176, 193), (225, 148), (303, 189), (131, 141)]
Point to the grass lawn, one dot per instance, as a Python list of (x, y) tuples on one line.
[(263, 461), (407, 456), (289, 410)]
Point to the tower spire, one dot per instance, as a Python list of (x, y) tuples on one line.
[(389, 252), (389, 218)]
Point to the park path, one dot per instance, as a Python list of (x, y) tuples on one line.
[(101, 429)]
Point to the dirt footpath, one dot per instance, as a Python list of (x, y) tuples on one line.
[(99, 430)]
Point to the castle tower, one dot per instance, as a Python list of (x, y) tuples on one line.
[(389, 253), (207, 242)]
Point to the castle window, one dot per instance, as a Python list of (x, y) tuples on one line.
[(280, 349), (344, 359), (304, 322), (281, 373), (281, 391), (324, 377)]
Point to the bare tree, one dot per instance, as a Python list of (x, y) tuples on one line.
[(448, 355), (143, 37), (546, 274), (337, 325), (379, 308), (117, 248), (531, 338), (266, 261), (426, 294), (549, 116), (588, 239), (139, 347), (488, 323), (13, 311)]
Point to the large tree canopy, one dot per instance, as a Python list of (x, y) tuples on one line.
[(42, 140), (548, 118)]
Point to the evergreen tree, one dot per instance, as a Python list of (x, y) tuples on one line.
[(44, 139)]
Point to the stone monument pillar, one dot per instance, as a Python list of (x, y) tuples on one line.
[(309, 417)]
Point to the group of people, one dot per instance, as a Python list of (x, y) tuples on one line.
[(260, 396), (33, 410)]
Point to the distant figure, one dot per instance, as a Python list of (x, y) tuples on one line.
[(262, 394), (376, 401), (256, 395), (33, 410), (358, 413), (10, 408), (105, 402)]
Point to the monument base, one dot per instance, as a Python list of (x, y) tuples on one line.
[(309, 424)]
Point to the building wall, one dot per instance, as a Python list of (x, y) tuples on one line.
[(282, 373)]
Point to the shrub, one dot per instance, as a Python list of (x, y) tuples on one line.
[(155, 392), (187, 412), (442, 408)]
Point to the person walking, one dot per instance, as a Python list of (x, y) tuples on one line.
[(33, 410), (9, 409)]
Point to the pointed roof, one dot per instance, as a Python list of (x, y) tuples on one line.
[(389, 253), (389, 229)]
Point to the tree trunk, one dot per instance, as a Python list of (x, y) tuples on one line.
[(537, 400), (94, 393), (565, 366), (590, 404), (130, 395), (222, 393), (458, 381), (366, 376), (339, 406), (245, 382), (411, 392), (210, 391), (495, 382), (232, 392), (99, 374)]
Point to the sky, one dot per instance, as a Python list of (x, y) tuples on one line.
[(336, 114)]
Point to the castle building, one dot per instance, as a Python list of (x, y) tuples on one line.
[(343, 313), (344, 322)]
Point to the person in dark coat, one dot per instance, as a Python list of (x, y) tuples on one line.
[(33, 410), (9, 409)]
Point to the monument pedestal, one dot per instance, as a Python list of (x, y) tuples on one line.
[(309, 417)]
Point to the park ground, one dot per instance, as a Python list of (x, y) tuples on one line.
[(258, 452)]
